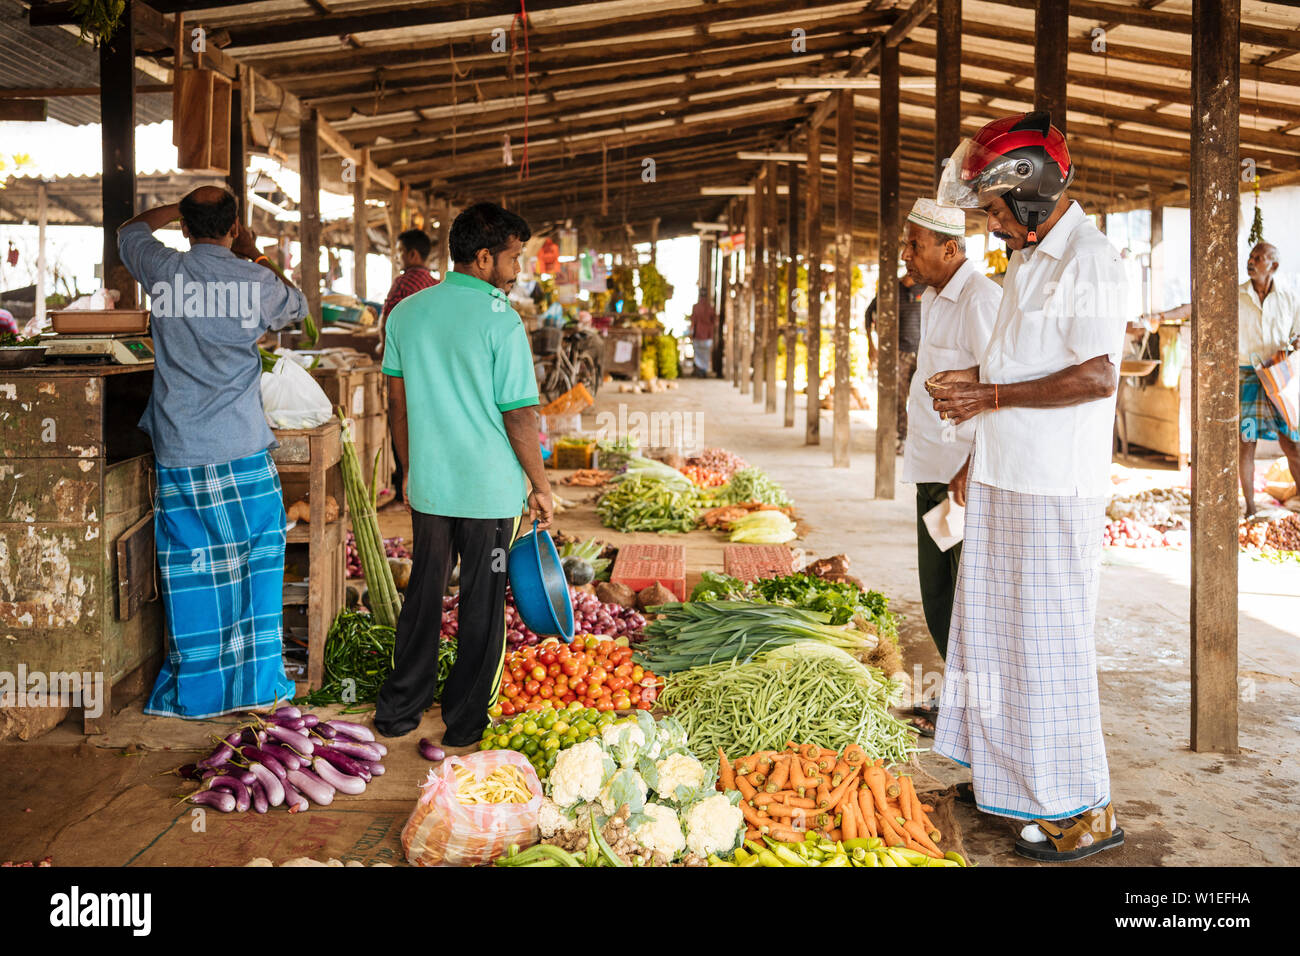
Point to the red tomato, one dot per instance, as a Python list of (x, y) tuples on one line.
[(602, 692), (621, 654), (546, 657), (645, 705), (605, 704), (618, 683), (648, 695), (511, 689), (579, 687), (507, 709), (622, 702), (554, 670), (532, 687), (649, 679), (568, 698), (518, 675), (598, 675), (539, 672), (637, 673), (635, 693), (623, 670), (570, 668), (546, 691)]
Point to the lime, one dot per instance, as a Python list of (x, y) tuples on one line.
[(486, 744), (517, 742), (530, 728), (560, 726), (503, 742), (548, 721), (531, 746), (550, 742)]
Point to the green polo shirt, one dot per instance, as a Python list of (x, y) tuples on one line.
[(464, 356)]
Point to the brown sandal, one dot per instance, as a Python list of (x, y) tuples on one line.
[(1074, 837)]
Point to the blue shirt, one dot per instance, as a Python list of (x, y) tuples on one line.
[(463, 355), (209, 307)]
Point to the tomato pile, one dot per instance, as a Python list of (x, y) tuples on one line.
[(590, 671), (704, 476)]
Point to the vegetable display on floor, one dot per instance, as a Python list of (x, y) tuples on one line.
[(703, 632), (841, 600), (590, 672), (359, 658), (590, 616), (648, 502), (803, 691), (752, 484), (288, 758)]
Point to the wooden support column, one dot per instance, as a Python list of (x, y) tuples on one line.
[(758, 288), (813, 427), (748, 317), (237, 178), (444, 238), (1156, 281), (1051, 54), (722, 347), (887, 294), (360, 237), (775, 312), (309, 228), (394, 230), (654, 241), (42, 215), (1216, 26), (117, 137), (843, 271), (947, 94), (791, 290)]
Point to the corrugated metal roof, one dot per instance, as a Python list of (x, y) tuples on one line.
[(51, 56)]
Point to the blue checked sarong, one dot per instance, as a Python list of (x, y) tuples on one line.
[(1260, 418), (220, 531), (1019, 704)]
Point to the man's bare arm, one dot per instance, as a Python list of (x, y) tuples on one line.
[(1087, 382), (521, 429), (397, 425), (156, 218)]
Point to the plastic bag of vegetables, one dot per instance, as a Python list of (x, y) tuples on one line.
[(444, 831)]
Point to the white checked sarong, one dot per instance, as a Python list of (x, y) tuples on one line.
[(1019, 703)]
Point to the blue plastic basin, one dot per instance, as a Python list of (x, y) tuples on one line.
[(540, 589)]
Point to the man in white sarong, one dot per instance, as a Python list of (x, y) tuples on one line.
[(1020, 704)]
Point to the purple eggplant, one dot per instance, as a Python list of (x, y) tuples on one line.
[(431, 751), (239, 773), (343, 762), (294, 800), (383, 750), (325, 731), (260, 803), (234, 736), (219, 756), (313, 787), (253, 737), (237, 787), (188, 771), (291, 723), (288, 710), (288, 759), (310, 720), (355, 749), (355, 731), (253, 754), (269, 783), (376, 769), (337, 779), (216, 799), (300, 743)]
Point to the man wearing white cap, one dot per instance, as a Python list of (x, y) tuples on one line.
[(958, 310)]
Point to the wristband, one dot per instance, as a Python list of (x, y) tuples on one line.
[(995, 395), (262, 259)]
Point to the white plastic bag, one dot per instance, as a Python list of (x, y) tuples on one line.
[(291, 398), (946, 523)]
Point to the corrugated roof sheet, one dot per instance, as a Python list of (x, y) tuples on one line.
[(51, 57)]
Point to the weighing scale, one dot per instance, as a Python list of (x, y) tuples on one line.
[(111, 349)]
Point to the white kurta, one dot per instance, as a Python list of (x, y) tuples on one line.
[(1265, 327), (955, 328)]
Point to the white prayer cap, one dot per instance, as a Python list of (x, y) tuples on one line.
[(949, 220)]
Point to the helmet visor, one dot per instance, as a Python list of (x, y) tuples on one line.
[(975, 175)]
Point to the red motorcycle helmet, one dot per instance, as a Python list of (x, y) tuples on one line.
[(1022, 158)]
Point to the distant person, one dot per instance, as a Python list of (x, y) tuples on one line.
[(462, 400), (909, 334), (1268, 321), (413, 248), (703, 325)]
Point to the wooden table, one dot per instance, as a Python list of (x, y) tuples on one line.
[(78, 591)]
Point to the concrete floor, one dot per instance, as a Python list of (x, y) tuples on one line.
[(100, 800)]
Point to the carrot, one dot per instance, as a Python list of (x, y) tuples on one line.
[(854, 755), (756, 779), (867, 812), (780, 774), (811, 751), (784, 833), (745, 788), (782, 810), (791, 747), (849, 821), (752, 834), (875, 778), (837, 794), (807, 803), (826, 763), (756, 820), (726, 776), (823, 796), (891, 785), (797, 778), (917, 832), (839, 772), (906, 794), (746, 765), (889, 832), (927, 808), (766, 799), (835, 835)]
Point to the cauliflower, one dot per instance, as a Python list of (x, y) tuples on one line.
[(678, 770), (578, 774), (712, 825), (625, 788), (662, 832), (624, 742), (552, 820)]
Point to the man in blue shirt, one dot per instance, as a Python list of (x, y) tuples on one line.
[(219, 521)]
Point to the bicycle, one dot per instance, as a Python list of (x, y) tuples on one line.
[(565, 358)]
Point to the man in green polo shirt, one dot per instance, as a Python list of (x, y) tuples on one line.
[(462, 406)]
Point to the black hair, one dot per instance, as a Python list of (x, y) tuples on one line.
[(484, 225), (416, 240), (209, 220)]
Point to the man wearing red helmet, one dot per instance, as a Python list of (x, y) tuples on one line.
[(1020, 704)]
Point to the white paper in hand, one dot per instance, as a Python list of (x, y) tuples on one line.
[(946, 523)]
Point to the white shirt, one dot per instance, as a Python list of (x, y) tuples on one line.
[(1263, 329), (955, 328), (1064, 302)]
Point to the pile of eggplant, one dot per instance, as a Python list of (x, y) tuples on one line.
[(287, 757)]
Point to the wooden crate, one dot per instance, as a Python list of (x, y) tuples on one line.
[(201, 121)]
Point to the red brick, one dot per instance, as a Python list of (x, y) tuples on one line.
[(752, 561), (641, 565)]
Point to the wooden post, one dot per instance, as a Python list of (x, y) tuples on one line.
[(360, 236), (887, 294), (947, 94), (654, 240), (774, 311), (722, 338), (117, 138), (1051, 53), (757, 374), (237, 178), (42, 214), (843, 271), (394, 230), (444, 238), (309, 206), (749, 310), (1156, 282), (1216, 26), (791, 291), (813, 428)]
